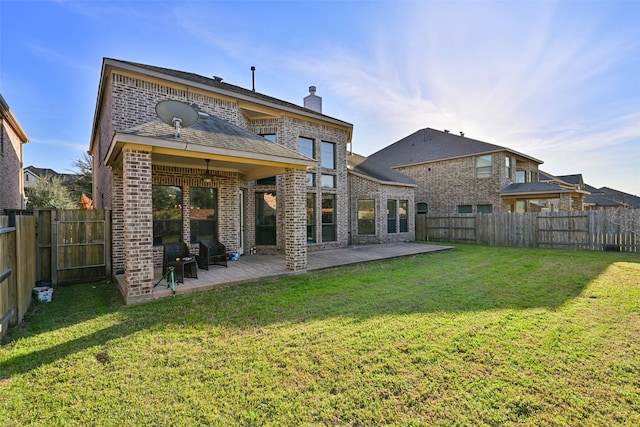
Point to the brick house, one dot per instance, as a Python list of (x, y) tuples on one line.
[(596, 199), (253, 171), (382, 201), (457, 174), (12, 136)]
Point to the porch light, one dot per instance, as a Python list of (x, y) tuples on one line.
[(207, 176)]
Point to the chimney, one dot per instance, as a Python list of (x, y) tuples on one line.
[(313, 101)]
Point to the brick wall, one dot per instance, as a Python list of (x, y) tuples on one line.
[(362, 188), (444, 185), (11, 179)]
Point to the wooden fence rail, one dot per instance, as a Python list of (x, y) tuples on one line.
[(591, 230)]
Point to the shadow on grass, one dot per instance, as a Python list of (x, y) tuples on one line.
[(465, 280)]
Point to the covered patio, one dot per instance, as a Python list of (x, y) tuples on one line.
[(251, 268)]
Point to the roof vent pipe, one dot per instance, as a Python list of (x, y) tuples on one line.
[(253, 78), (461, 133)]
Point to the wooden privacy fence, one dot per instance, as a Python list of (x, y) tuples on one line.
[(592, 230), (74, 246), (17, 269)]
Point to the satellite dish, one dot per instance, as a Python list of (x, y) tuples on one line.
[(177, 114)]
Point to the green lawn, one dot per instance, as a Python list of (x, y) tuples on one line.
[(474, 336)]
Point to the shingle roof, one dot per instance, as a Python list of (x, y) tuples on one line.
[(372, 169), (427, 145), (631, 200), (533, 187), (212, 131), (574, 179), (601, 200)]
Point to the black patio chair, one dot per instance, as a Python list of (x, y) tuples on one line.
[(211, 252), (178, 256)]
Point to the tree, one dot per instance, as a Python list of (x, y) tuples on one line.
[(50, 192), (83, 184)]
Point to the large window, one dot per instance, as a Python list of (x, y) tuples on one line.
[(167, 214), (483, 166), (328, 155), (392, 212), (328, 181), (204, 214), (403, 212), (328, 217), (311, 218), (521, 176), (366, 216), (265, 218), (306, 147)]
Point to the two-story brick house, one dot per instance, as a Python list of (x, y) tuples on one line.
[(457, 174), (12, 137), (252, 171)]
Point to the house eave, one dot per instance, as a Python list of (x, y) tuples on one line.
[(372, 179)]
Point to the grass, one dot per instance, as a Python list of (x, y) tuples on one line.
[(474, 336)]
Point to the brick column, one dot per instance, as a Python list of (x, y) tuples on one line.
[(138, 225), (295, 220), (117, 221)]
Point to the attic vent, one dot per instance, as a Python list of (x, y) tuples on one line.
[(217, 78), (446, 131)]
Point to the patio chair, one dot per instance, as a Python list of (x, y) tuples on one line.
[(211, 252), (177, 255)]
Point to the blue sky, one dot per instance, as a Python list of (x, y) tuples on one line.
[(559, 81)]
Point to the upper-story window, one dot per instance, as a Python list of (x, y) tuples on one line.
[(534, 176), (328, 155), (306, 146), (483, 166), (507, 164), (270, 136), (521, 176)]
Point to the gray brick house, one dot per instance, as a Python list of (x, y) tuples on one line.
[(457, 174), (253, 171), (12, 136)]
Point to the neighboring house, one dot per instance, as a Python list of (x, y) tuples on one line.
[(594, 199), (253, 171), (33, 174), (629, 200), (457, 174), (382, 200), (12, 136)]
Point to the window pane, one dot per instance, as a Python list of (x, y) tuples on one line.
[(305, 146), (328, 218), (392, 212), (422, 208), (311, 179), (328, 155), (404, 224), (465, 209), (265, 218), (203, 214), (483, 166), (484, 208), (269, 136), (167, 214), (266, 181), (521, 176), (508, 166), (521, 206), (311, 217), (328, 181), (366, 216)]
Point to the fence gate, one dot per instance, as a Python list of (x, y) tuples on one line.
[(80, 246)]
